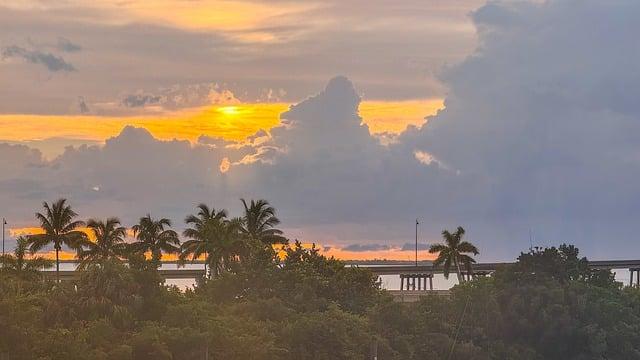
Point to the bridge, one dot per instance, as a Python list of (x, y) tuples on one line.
[(413, 278)]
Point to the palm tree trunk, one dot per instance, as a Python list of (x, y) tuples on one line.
[(57, 265), (156, 257), (458, 271)]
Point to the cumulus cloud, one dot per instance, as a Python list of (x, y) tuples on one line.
[(540, 126), (52, 62), (541, 117)]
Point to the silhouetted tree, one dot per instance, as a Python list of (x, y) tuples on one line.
[(259, 223), (59, 227), (109, 242), (215, 237), (154, 236), (454, 252)]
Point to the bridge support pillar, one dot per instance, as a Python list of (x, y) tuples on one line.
[(416, 282), (635, 271)]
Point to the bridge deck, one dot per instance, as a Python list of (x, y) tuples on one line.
[(484, 267), (381, 269)]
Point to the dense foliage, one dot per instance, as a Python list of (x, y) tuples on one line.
[(256, 304), (547, 306)]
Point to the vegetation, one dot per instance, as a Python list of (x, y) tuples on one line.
[(259, 223), (454, 252), (20, 264), (108, 245), (155, 237), (215, 237), (59, 228), (301, 305)]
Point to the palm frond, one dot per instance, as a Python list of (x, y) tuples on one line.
[(467, 247)]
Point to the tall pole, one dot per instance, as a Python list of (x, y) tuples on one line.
[(4, 222), (417, 241)]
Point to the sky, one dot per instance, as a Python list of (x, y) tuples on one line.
[(517, 120)]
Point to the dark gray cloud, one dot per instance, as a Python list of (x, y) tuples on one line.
[(541, 117), (180, 96), (412, 246), (140, 100), (52, 62), (83, 108), (65, 45), (365, 247)]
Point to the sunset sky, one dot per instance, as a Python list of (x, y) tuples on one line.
[(353, 118)]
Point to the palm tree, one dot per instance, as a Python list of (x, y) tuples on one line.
[(59, 229), (154, 236), (213, 236), (109, 243), (22, 266), (259, 223), (453, 251)]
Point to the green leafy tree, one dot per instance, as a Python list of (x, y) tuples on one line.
[(259, 223), (561, 264), (215, 237), (107, 290), (154, 236), (60, 228), (109, 242), (454, 252), (20, 264)]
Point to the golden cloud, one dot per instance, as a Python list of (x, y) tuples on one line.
[(235, 122)]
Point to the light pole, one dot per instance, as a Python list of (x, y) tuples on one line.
[(417, 241), (4, 222)]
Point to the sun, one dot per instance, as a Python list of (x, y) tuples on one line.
[(229, 110)]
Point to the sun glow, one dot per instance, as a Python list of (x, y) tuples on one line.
[(229, 110), (393, 253), (230, 122)]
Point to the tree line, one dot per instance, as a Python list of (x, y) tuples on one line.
[(212, 235), (256, 304)]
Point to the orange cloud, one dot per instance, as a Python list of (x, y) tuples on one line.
[(391, 254), (235, 122), (239, 19), (395, 116), (330, 251), (217, 121)]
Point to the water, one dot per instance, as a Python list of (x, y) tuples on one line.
[(389, 282)]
